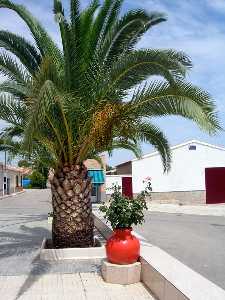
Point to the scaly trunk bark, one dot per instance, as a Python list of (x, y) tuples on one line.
[(72, 212)]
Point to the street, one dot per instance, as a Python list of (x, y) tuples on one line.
[(23, 225), (22, 228), (197, 241)]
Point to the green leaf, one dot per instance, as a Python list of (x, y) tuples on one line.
[(24, 50)]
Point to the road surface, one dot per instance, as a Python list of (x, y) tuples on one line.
[(197, 241), (23, 225)]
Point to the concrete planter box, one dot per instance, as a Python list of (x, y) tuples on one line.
[(72, 253)]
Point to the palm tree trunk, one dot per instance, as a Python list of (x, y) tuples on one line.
[(72, 213)]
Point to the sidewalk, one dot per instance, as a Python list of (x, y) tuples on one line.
[(204, 210), (12, 195), (79, 286), (23, 276)]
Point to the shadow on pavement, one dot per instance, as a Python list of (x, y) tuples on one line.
[(25, 244), (22, 220), (38, 268), (19, 243)]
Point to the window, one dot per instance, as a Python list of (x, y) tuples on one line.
[(17, 180), (192, 147), (5, 179)]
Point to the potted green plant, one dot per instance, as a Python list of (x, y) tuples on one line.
[(122, 213)]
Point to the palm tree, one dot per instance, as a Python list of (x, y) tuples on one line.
[(94, 94)]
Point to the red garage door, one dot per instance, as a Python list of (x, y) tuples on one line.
[(215, 185), (127, 187)]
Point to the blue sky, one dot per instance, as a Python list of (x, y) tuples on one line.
[(196, 27)]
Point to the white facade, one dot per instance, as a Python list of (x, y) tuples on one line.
[(187, 170), (10, 179), (111, 180)]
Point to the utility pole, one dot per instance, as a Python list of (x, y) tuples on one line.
[(5, 159)]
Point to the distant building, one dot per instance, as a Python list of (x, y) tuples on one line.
[(197, 174), (121, 175), (97, 173), (11, 179)]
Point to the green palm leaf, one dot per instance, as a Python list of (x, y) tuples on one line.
[(183, 99), (12, 70), (44, 43), (74, 104), (22, 49)]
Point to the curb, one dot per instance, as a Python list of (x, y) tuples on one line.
[(217, 210), (166, 277), (12, 195)]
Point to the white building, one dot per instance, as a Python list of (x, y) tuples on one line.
[(11, 179), (197, 174)]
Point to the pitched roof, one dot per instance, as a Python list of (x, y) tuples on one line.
[(24, 171), (183, 145), (176, 147)]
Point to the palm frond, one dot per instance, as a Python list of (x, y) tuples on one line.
[(99, 25), (66, 37), (11, 146), (44, 43), (137, 66), (112, 16), (18, 90), (22, 49), (183, 99), (12, 110), (149, 133), (70, 105), (11, 131), (75, 12), (125, 144), (87, 20), (124, 34), (10, 68)]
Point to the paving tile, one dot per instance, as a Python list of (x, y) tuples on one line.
[(23, 276), (80, 286)]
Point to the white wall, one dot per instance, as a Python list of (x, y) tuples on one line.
[(187, 170), (110, 180), (12, 176)]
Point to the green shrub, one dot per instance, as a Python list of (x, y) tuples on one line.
[(123, 212), (37, 180)]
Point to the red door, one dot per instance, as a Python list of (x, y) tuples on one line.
[(215, 185), (127, 190)]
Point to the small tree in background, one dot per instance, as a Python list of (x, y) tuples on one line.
[(109, 168), (40, 172), (38, 180), (24, 164)]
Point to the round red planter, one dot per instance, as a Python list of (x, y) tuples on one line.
[(123, 247)]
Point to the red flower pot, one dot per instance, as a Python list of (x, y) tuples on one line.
[(123, 247)]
